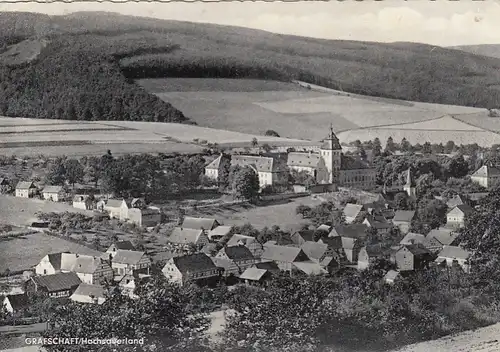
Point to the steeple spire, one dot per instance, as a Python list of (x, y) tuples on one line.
[(331, 142)]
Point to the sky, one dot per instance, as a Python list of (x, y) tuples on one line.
[(440, 22)]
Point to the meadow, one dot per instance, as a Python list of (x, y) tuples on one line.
[(21, 253)]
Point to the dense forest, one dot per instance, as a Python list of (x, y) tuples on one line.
[(86, 69)]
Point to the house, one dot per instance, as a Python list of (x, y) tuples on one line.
[(255, 276), (83, 201), (353, 213), (413, 238), (255, 247), (437, 238), (114, 247), (324, 228), (487, 176), (302, 236), (213, 169), (86, 293), (412, 257), (206, 224), (309, 268), (350, 238), (15, 303), (113, 207), (133, 210), (369, 254), (268, 265), (146, 217), (127, 261), (182, 235), (284, 257), (53, 193), (240, 257), (26, 189), (402, 219), (218, 233), (456, 200), (268, 169), (315, 251), (55, 285), (379, 223), (450, 255), (456, 217), (392, 277), (129, 283), (188, 268)]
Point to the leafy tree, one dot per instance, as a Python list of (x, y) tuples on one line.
[(93, 170), (74, 171), (457, 167), (303, 210), (266, 147), (426, 148), (390, 146), (377, 147), (246, 184), (401, 201), (254, 142), (272, 133), (57, 172), (449, 147), (405, 145)]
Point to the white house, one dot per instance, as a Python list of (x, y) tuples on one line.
[(454, 254), (181, 235), (15, 303), (126, 262), (26, 189), (114, 247), (456, 216), (83, 201), (189, 268), (487, 176), (53, 193), (86, 293)]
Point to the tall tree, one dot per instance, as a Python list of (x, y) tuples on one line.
[(57, 172), (390, 146), (74, 171), (246, 184)]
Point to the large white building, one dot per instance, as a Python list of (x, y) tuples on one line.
[(486, 176)]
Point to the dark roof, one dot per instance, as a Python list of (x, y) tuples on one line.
[(303, 159), (259, 163), (238, 253), (198, 223), (57, 282), (351, 231), (194, 263), (404, 215), (124, 256), (314, 250), (306, 235), (25, 185), (331, 142), (55, 260), (18, 301), (417, 249), (127, 245), (465, 208), (268, 265)]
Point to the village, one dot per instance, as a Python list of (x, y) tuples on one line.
[(351, 236)]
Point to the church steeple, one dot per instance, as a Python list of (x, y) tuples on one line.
[(331, 142)]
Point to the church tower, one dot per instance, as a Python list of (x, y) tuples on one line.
[(410, 186), (331, 153)]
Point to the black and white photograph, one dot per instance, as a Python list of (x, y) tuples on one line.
[(249, 176)]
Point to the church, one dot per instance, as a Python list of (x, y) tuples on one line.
[(331, 166)]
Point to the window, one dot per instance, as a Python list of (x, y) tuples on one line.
[(44, 271)]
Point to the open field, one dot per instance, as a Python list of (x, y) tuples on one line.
[(21, 211), (480, 340), (21, 253), (58, 137)]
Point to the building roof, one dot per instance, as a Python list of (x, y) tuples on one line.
[(198, 223), (376, 250), (417, 249), (162, 256), (253, 274), (259, 163), (352, 210), (310, 268), (197, 262), (57, 282), (412, 237), (314, 250), (52, 189), (331, 142), (303, 159), (18, 301), (464, 208), (486, 171), (126, 245), (25, 185), (238, 239), (87, 264), (281, 253), (454, 201), (219, 231), (86, 290), (378, 222), (391, 275), (185, 235), (267, 265), (238, 253), (306, 235), (124, 256), (357, 231), (404, 215), (114, 203), (348, 162), (215, 164), (454, 252), (3, 181), (80, 198), (324, 227), (223, 263)]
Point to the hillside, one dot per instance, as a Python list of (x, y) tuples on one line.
[(88, 63), (491, 50)]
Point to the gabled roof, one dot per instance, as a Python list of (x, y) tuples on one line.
[(126, 245), (463, 208), (80, 198), (352, 210), (86, 264), (162, 256), (391, 275), (378, 222), (352, 231), (215, 164), (314, 250), (57, 282), (253, 274), (310, 268), (198, 223), (454, 252), (87, 290), (223, 263), (197, 262), (281, 253), (324, 227), (124, 256), (219, 231), (303, 159), (412, 238), (18, 301), (259, 163), (417, 249), (454, 201), (443, 235), (267, 265), (238, 253), (486, 171), (184, 236), (404, 215), (376, 250), (3, 181), (331, 142), (52, 189), (114, 203), (25, 185), (238, 239), (306, 235)]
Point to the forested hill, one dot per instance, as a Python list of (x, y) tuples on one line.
[(82, 65)]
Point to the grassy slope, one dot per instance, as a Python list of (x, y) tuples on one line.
[(400, 70), (491, 50)]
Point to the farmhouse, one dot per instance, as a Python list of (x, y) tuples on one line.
[(456, 216), (302, 236), (53, 193), (15, 303), (412, 257), (83, 201), (379, 223), (412, 238), (437, 238), (188, 268), (251, 243), (127, 261), (213, 169), (114, 247), (54, 286), (86, 293), (256, 276), (268, 169), (369, 254), (181, 235), (487, 176), (450, 255), (147, 217), (240, 258), (26, 189), (284, 257), (218, 233), (206, 224), (402, 219)]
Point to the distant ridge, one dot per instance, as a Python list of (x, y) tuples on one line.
[(491, 50)]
